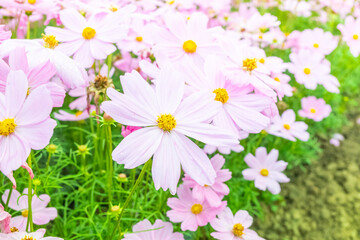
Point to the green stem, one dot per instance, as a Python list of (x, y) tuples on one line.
[(29, 220), (141, 176), (109, 63), (48, 162), (110, 163), (8, 200), (28, 29)]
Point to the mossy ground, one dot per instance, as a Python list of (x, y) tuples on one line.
[(322, 202)]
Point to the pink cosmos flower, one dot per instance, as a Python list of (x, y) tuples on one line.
[(4, 35), (284, 80), (89, 39), (167, 120), (4, 220), (191, 212), (239, 109), (73, 117), (125, 131), (314, 108), (160, 230), (285, 126), (68, 70), (317, 41), (266, 170), (40, 213), (38, 235), (24, 121), (350, 31), (311, 69), (185, 41), (212, 194), (233, 227), (224, 150), (37, 76), (336, 139)]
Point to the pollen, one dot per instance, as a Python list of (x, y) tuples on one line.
[(196, 208), (170, 2), (307, 71), (260, 36), (88, 33), (113, 8), (28, 238), (221, 95), (166, 122), (31, 1), (286, 126), (25, 213), (14, 229), (139, 38), (313, 110), (264, 172), (189, 46), (355, 37), (316, 45), (249, 64), (50, 41), (261, 60), (238, 230), (7, 127), (277, 79), (78, 113)]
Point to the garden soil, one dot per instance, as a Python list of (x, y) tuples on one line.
[(322, 201)]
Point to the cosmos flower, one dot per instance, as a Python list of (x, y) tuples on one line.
[(37, 76), (350, 31), (190, 212), (40, 213), (266, 170), (233, 227), (25, 121), (159, 230), (336, 139), (89, 39), (4, 35), (38, 235), (317, 41), (285, 126), (167, 120), (4, 220), (314, 108), (212, 194)]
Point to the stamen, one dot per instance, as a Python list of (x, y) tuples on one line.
[(166, 122), (7, 127), (139, 39), (287, 126), (88, 33), (25, 213), (355, 37), (249, 64), (316, 45), (31, 1), (307, 71), (264, 172), (196, 209), (221, 95), (313, 110), (238, 230), (189, 46), (50, 41)]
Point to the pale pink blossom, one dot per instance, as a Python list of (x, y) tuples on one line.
[(224, 150), (212, 194), (336, 139), (233, 227), (314, 108), (74, 117), (350, 31), (167, 120), (317, 41), (4, 220), (37, 76), (89, 39), (265, 170), (159, 230), (25, 121), (286, 126), (40, 213), (191, 212), (4, 35), (38, 235)]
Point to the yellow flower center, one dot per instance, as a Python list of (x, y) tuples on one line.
[(7, 127), (196, 208), (25, 213), (261, 60), (50, 41), (287, 126), (355, 37), (78, 113), (313, 110), (31, 1), (260, 37), (28, 238), (277, 79), (238, 230), (249, 64), (113, 8), (88, 33), (264, 172), (189, 46), (82, 148), (171, 2), (139, 39), (14, 229), (221, 95), (316, 45), (166, 122), (307, 71)]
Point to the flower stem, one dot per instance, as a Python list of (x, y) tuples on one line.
[(29, 220), (110, 163), (8, 200), (28, 29), (141, 176)]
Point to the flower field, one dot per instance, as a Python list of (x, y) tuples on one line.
[(179, 120)]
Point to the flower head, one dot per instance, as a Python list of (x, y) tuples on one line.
[(314, 108)]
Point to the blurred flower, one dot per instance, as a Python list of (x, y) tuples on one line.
[(4, 220), (126, 130), (317, 41), (266, 170), (22, 235), (336, 139), (314, 108), (350, 31)]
